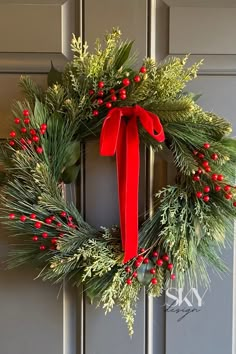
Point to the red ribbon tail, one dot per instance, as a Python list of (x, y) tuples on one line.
[(128, 182)]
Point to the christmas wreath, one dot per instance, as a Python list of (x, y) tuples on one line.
[(100, 94)]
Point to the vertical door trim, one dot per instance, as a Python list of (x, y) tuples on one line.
[(150, 157), (73, 298), (234, 296)]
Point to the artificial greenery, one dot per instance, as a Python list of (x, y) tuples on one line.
[(189, 226)]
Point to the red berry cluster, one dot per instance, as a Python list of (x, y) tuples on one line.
[(53, 222), (27, 135), (107, 99), (160, 261), (205, 169)]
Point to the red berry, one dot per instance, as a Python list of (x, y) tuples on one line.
[(27, 121), (22, 140), (137, 78), (25, 112), (99, 101), (227, 188), (38, 225), (206, 146), (17, 120), (95, 113), (146, 261), (159, 262), (63, 214), (113, 98), (101, 84), (155, 254), (214, 156), (196, 178), (140, 259), (59, 224), (214, 177), (208, 169), (12, 134), (206, 198), (108, 105), (48, 221), (91, 92), (42, 248), (35, 238), (122, 92), (135, 274), (43, 126), (195, 152), (165, 257), (126, 82), (42, 131), (32, 132), (12, 216), (201, 156), (142, 250), (11, 142), (137, 263), (112, 91), (29, 142), (35, 138), (199, 171), (220, 177), (70, 218), (23, 130), (39, 150), (199, 195), (52, 217), (170, 266), (217, 188), (54, 241), (100, 93), (173, 276), (154, 281), (234, 204), (129, 281), (228, 196), (143, 69), (128, 269), (23, 218), (207, 189), (152, 270), (123, 97), (70, 224), (61, 234), (33, 216), (45, 235), (205, 163)]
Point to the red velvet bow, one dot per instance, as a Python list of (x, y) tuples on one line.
[(120, 135)]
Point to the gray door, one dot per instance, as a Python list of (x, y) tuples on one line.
[(40, 318)]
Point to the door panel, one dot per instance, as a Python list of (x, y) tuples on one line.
[(36, 317), (211, 329), (106, 334)]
